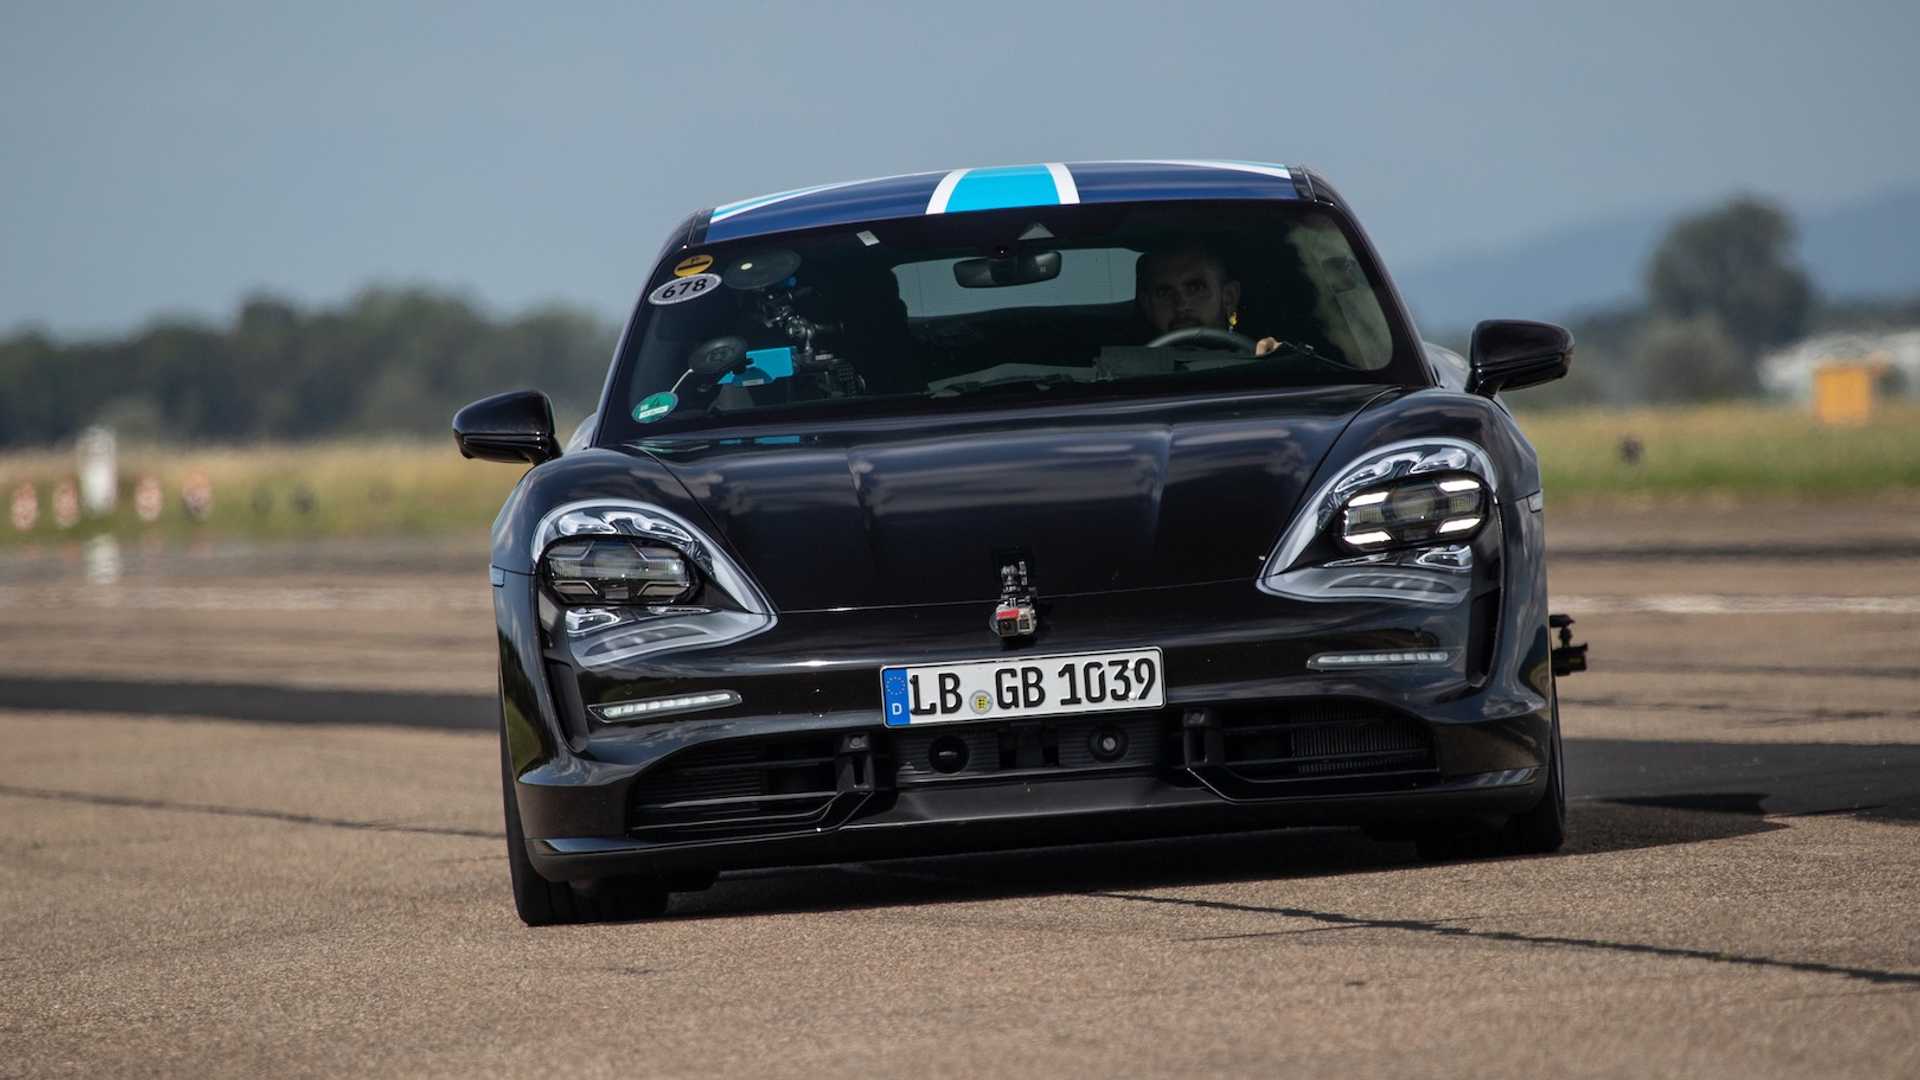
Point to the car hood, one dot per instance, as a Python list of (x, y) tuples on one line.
[(1097, 496)]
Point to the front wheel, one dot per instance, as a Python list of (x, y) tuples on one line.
[(540, 902), (1539, 830), (1543, 829)]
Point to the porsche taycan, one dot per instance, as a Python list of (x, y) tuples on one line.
[(1017, 506)]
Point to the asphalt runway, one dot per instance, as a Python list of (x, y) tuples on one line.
[(252, 827)]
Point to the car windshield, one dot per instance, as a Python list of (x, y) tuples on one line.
[(939, 312)]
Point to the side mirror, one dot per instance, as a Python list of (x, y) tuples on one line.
[(1509, 354), (515, 426)]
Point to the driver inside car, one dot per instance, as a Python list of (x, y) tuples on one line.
[(1187, 288)]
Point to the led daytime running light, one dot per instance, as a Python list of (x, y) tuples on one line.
[(648, 707), (1389, 658)]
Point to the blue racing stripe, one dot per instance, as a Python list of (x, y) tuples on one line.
[(892, 197), (1001, 188)]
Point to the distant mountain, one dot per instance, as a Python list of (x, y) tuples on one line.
[(1866, 247)]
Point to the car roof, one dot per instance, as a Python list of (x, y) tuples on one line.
[(1002, 187)]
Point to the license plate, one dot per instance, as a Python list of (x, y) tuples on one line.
[(1022, 686)]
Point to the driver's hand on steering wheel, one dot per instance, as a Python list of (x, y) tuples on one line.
[(1265, 345)]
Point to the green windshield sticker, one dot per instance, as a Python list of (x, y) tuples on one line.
[(655, 406)]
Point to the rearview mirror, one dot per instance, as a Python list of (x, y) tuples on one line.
[(1509, 354), (515, 426), (1023, 269)]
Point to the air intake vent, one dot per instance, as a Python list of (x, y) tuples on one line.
[(754, 786), (1286, 743)]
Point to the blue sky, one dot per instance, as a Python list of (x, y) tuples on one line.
[(171, 157)]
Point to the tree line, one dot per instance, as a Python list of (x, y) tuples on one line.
[(390, 360), (1722, 288)]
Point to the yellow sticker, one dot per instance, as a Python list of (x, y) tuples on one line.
[(692, 265)]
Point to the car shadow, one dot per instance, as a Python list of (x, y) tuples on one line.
[(1596, 827), (1627, 795)]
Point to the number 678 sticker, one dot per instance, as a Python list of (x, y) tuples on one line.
[(683, 289)]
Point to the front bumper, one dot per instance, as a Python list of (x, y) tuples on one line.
[(803, 771), (1022, 813), (731, 794)]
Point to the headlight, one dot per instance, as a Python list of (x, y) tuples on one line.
[(653, 528), (632, 580), (1413, 511), (1396, 524), (617, 571)]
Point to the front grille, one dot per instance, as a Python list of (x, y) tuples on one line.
[(750, 786), (1317, 740), (1055, 745)]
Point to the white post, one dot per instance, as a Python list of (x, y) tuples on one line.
[(99, 471)]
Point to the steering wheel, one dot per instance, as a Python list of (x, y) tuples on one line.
[(1205, 337)]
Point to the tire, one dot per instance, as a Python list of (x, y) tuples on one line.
[(540, 902), (1540, 830), (1543, 829)]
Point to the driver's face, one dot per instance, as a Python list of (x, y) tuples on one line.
[(1185, 290)]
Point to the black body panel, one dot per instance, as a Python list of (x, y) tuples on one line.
[(1147, 523), (1100, 496), (1226, 644)]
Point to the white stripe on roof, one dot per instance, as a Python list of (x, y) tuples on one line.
[(943, 191), (1063, 185)]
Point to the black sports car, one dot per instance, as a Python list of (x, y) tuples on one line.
[(1016, 506)]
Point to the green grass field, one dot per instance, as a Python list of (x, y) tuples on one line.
[(283, 491), (1721, 452), (1743, 453)]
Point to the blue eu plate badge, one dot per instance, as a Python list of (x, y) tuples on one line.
[(894, 695)]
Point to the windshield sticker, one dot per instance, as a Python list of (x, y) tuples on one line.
[(771, 364), (680, 290), (655, 406), (691, 265)]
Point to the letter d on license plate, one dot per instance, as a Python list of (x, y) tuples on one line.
[(1022, 686)]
